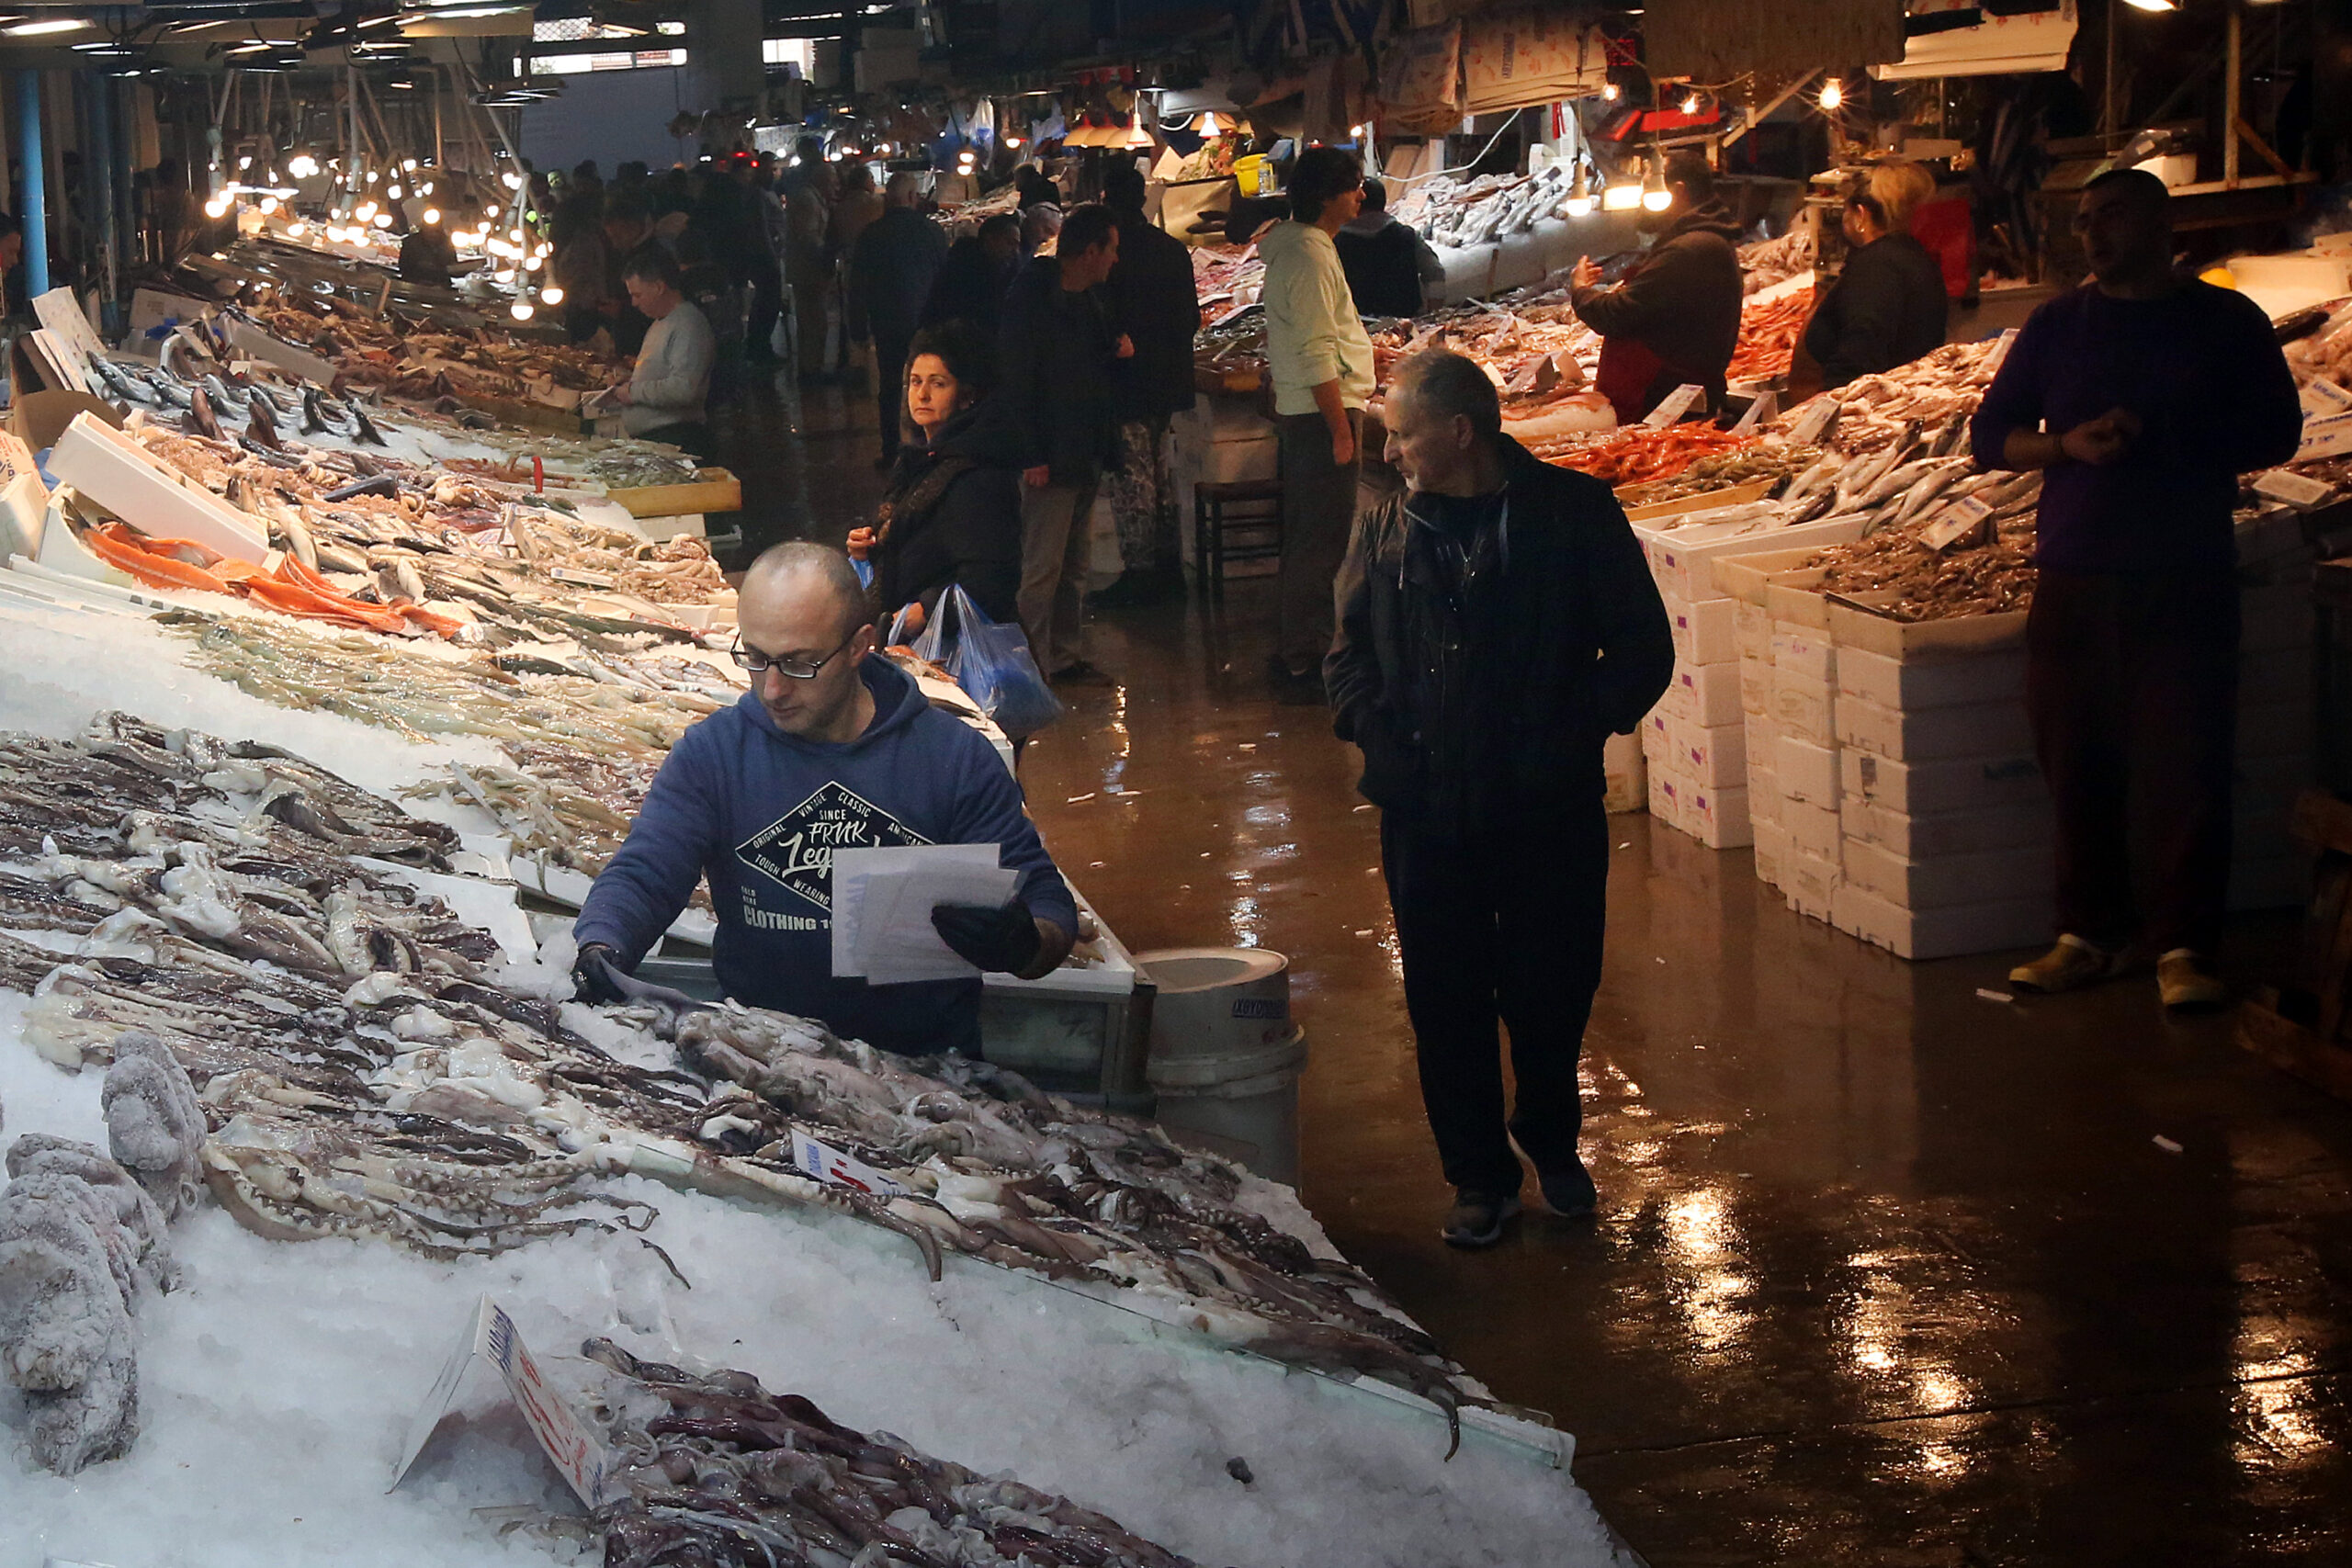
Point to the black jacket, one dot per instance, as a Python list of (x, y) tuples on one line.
[(891, 268), (1888, 308), (1055, 352), (1155, 301), (1386, 267), (1475, 702), (954, 517), (969, 286), (1682, 301)]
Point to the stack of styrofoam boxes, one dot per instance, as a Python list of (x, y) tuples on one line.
[(1944, 822), (2269, 868), (1219, 440), (1627, 774), (1695, 740)]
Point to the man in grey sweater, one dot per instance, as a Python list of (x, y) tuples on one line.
[(664, 395)]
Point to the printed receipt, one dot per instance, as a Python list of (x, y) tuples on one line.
[(882, 904)]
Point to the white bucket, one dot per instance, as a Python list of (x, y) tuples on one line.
[(1240, 1104), (1216, 1000)]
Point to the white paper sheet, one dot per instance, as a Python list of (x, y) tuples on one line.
[(882, 904)]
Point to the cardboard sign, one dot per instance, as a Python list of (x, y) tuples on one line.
[(835, 1169), (1766, 405), (1963, 520), (1675, 405), (568, 1441), (1813, 423), (2329, 437), (2321, 397), (2295, 489)]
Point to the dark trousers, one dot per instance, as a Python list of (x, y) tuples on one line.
[(2132, 683), (1319, 508), (1506, 928), (890, 386)]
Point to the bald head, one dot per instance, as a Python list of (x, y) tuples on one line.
[(795, 578)]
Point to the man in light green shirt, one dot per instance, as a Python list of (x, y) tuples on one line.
[(1321, 363)]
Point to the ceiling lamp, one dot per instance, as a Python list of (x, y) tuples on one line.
[(1581, 194), (1832, 95), (1655, 197), (1623, 197), (55, 24), (2153, 5), (551, 295)]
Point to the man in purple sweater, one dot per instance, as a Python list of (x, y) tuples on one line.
[(2144, 395)]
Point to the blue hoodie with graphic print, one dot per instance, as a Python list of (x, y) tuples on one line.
[(760, 813)]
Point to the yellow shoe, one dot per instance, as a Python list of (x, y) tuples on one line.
[(2068, 967), (2187, 982)]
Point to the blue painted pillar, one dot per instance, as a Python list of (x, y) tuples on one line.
[(34, 215)]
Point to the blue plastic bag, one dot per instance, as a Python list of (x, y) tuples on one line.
[(991, 661)]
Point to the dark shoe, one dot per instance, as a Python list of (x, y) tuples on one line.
[(1080, 675), (1569, 1193), (1294, 688), (1477, 1220)]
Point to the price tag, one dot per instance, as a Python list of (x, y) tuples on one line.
[(1676, 404), (2329, 437), (835, 1169), (1813, 422), (568, 1441), (1766, 405), (2321, 397), (1965, 521), (2297, 491)]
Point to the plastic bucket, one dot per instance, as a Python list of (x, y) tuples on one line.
[(1240, 1104), (1212, 1001)]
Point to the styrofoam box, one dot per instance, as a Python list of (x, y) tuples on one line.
[(1683, 559), (1915, 684), (1765, 802), (1810, 882), (1225, 462), (1952, 784), (1805, 705), (1714, 755), (1771, 845), (1973, 729), (1666, 795), (1703, 632), (116, 472), (1814, 829), (1806, 771), (1751, 630), (1756, 685), (1947, 833), (1803, 650), (1950, 879), (1718, 817), (1627, 772), (1704, 694), (1941, 933)]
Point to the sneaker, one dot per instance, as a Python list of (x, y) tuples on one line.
[(2187, 984), (2068, 967), (1477, 1220), (1569, 1193)]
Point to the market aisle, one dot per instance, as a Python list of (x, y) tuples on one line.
[(1887, 1272), (806, 461)]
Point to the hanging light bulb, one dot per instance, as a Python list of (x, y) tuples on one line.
[(1832, 95), (294, 230), (1581, 194), (409, 165), (504, 275), (521, 310), (551, 295), (532, 262), (383, 220), (1609, 92), (1691, 104), (268, 205), (433, 215), (424, 189), (491, 210), (1208, 123), (216, 207), (395, 192), (1655, 197)]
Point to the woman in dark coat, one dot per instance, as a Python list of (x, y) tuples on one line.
[(953, 511), (1889, 306)]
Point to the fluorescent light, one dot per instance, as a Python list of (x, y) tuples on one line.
[(2153, 5), (34, 29), (1621, 198)]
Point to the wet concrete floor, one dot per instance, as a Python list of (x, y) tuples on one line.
[(1884, 1273)]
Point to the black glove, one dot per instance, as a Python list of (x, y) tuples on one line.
[(1004, 939), (597, 976)]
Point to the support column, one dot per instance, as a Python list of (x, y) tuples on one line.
[(99, 172), (35, 216)]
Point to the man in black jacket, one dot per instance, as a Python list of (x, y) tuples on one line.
[(1057, 348), (1155, 303), (1391, 269), (974, 274), (1496, 623), (1674, 319), (891, 268)]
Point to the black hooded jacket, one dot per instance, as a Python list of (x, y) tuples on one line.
[(954, 517), (1056, 348), (1889, 307), (1681, 301), (1481, 671)]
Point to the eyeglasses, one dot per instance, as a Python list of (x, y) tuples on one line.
[(760, 664)]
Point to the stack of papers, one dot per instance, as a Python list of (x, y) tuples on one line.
[(882, 904)]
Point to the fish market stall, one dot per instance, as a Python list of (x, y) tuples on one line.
[(280, 1038)]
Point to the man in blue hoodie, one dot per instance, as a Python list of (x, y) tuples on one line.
[(830, 749)]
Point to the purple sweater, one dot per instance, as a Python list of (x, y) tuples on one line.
[(2203, 373)]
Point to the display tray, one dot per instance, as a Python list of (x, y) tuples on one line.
[(714, 491), (530, 415), (1706, 500)]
